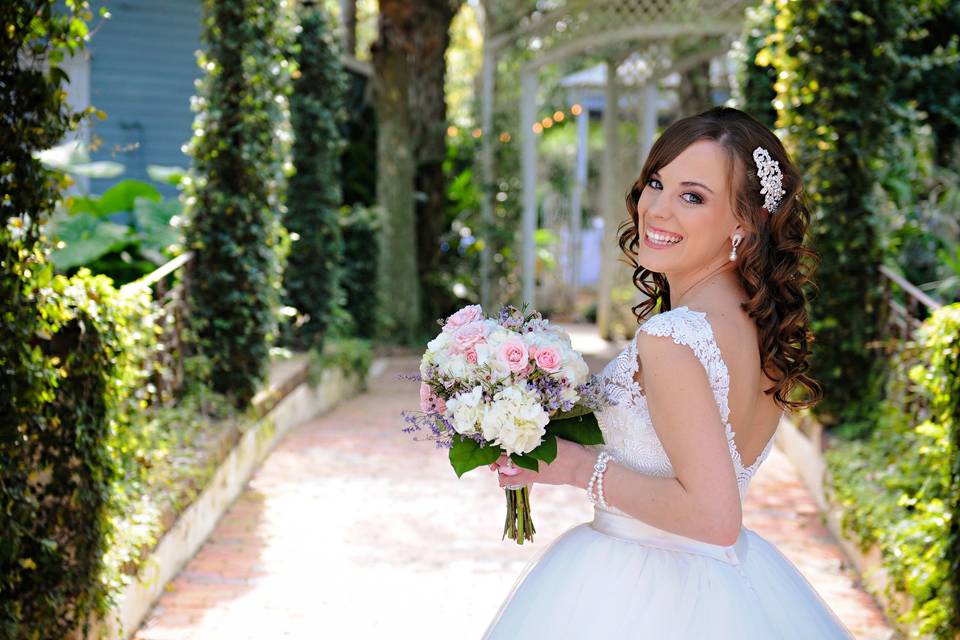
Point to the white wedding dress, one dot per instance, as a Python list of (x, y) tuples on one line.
[(618, 577)]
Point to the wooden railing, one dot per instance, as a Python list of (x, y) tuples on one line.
[(907, 313), (166, 363)]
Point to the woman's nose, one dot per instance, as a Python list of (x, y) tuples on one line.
[(657, 208)]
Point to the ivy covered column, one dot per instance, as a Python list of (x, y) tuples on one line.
[(313, 196), (230, 204)]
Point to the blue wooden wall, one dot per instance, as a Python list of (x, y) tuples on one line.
[(142, 73)]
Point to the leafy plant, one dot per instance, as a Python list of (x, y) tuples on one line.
[(130, 217), (900, 488), (234, 199), (316, 107)]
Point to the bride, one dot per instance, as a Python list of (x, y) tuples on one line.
[(717, 222)]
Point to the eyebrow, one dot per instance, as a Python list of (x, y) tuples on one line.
[(688, 183)]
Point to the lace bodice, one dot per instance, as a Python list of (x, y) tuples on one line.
[(627, 429)]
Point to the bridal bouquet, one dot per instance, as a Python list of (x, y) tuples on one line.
[(506, 385)]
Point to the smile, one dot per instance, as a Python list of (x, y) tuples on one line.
[(658, 239)]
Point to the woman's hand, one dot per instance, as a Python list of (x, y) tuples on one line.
[(566, 468)]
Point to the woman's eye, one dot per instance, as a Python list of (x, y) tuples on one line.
[(696, 199), (651, 181)]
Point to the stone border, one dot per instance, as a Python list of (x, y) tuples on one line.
[(287, 403), (806, 454)]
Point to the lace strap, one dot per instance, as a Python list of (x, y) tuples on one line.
[(692, 329)]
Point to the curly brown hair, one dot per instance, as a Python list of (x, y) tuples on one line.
[(773, 264)]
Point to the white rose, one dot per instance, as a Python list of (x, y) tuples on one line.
[(487, 355), (574, 369), (453, 365)]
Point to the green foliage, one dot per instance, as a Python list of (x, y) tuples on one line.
[(836, 64), (124, 233), (313, 199), (917, 203), (353, 356), (61, 464), (931, 57), (233, 200), (756, 78), (360, 229), (55, 399), (900, 488)]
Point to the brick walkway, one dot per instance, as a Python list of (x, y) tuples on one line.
[(351, 530)]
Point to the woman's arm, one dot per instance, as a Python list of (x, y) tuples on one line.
[(703, 501)]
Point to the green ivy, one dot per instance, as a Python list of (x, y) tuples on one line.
[(360, 229), (313, 199), (900, 488), (233, 202), (756, 77), (836, 64)]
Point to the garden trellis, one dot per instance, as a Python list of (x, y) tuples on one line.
[(669, 36)]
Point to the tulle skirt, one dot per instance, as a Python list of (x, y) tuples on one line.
[(618, 577)]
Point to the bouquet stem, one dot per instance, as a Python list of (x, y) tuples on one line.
[(519, 523)]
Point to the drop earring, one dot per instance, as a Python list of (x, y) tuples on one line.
[(733, 253)]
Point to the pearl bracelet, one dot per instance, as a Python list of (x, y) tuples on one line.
[(599, 468)]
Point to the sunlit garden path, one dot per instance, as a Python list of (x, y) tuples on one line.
[(350, 528)]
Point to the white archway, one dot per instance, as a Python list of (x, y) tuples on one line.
[(671, 35)]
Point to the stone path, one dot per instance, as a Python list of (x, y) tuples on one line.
[(350, 530)]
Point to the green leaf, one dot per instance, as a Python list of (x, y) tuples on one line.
[(466, 454), (547, 450), (578, 410), (526, 461), (122, 196), (153, 223), (166, 174), (86, 238), (581, 429)]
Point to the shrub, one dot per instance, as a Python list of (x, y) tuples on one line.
[(836, 65), (360, 228), (232, 201), (900, 488), (316, 109)]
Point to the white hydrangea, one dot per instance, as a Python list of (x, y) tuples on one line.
[(516, 419), (467, 409)]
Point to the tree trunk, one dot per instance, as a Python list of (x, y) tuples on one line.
[(428, 101), (695, 95), (399, 287), (348, 13)]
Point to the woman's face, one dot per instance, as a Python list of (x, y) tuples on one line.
[(688, 200)]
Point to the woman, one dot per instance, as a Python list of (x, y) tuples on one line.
[(717, 222)]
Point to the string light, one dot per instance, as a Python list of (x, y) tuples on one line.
[(558, 116), (537, 128), (504, 137), (452, 131), (576, 109), (476, 133)]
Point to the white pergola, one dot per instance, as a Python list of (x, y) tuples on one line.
[(641, 39)]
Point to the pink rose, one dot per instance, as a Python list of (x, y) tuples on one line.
[(471, 354), (430, 401), (463, 317), (514, 354), (548, 359), (527, 370), (468, 336)]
